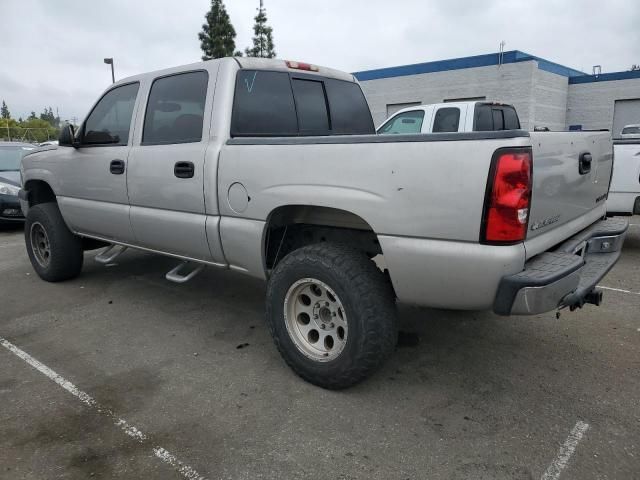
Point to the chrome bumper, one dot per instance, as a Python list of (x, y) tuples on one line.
[(566, 276)]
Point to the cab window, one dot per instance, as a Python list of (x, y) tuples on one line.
[(110, 120), (175, 109), (447, 120), (404, 123)]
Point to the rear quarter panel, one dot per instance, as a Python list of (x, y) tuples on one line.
[(427, 189), (424, 199)]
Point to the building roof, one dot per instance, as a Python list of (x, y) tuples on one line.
[(512, 56)]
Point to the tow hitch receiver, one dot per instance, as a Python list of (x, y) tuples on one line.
[(575, 301)]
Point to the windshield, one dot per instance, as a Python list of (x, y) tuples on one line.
[(10, 157), (630, 130)]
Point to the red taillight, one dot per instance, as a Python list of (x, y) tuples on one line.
[(506, 210), (301, 66)]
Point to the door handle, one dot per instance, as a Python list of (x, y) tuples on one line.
[(184, 169), (117, 167), (584, 166)]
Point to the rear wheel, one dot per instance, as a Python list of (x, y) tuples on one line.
[(55, 252), (332, 314)]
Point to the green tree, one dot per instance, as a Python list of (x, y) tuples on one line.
[(4, 112), (48, 116), (32, 116), (217, 38), (262, 37)]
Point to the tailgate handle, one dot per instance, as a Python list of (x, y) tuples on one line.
[(585, 163)]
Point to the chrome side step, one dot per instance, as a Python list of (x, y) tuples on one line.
[(177, 277), (110, 253)]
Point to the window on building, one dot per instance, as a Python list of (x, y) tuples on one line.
[(175, 109), (311, 105), (446, 120), (110, 120), (406, 122)]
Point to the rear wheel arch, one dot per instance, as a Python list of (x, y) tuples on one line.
[(290, 227)]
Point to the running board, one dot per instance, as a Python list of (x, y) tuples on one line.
[(175, 275), (110, 253)]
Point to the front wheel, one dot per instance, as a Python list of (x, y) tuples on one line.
[(332, 314), (56, 254)]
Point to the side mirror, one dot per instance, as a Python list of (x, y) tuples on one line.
[(67, 137)]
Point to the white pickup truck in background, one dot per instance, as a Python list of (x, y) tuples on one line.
[(624, 194), (452, 117)]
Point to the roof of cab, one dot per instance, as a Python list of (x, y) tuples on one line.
[(243, 62)]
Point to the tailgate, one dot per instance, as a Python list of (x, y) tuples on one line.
[(569, 192)]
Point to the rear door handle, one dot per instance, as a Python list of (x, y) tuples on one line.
[(584, 166), (117, 167), (184, 170)]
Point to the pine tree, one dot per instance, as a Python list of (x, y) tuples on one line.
[(262, 37), (4, 112), (217, 38)]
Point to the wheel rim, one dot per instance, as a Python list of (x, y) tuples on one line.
[(315, 319), (40, 244)]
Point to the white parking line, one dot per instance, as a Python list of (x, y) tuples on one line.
[(185, 470), (565, 452), (618, 290)]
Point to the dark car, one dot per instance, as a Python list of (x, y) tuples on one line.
[(11, 154)]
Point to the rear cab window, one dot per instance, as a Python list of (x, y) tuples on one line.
[(273, 103), (494, 117)]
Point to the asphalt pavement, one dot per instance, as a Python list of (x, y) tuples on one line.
[(122, 374)]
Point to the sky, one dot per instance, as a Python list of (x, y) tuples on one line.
[(51, 51)]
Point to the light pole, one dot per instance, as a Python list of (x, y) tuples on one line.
[(109, 61)]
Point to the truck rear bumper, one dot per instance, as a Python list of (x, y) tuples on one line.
[(566, 276)]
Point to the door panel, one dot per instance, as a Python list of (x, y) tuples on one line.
[(168, 203), (167, 212), (93, 199)]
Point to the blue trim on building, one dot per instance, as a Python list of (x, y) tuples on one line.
[(512, 56), (605, 77)]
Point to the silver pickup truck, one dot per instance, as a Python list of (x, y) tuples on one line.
[(272, 168)]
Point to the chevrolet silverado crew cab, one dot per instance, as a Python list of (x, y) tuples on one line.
[(452, 117), (273, 169)]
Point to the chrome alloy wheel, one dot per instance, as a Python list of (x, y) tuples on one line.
[(40, 244), (315, 319)]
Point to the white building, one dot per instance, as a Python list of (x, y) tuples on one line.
[(544, 93)]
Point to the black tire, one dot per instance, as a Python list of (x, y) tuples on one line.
[(368, 301), (65, 257)]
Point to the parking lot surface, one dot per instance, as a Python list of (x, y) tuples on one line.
[(192, 372)]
